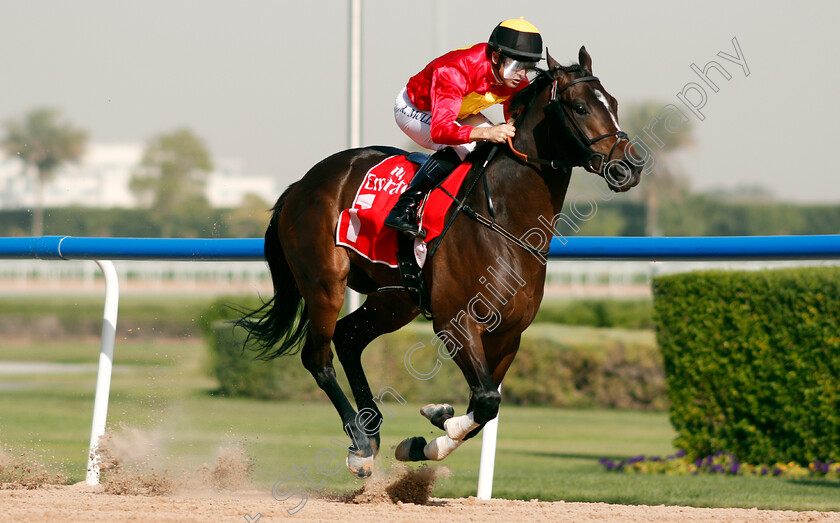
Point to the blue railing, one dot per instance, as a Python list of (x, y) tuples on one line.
[(79, 248), (573, 248), (711, 248), (104, 250)]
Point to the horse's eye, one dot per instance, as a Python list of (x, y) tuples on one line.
[(580, 109)]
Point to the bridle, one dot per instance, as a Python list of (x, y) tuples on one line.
[(590, 164), (555, 104)]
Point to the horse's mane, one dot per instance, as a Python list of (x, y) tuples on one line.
[(521, 101), (574, 68)]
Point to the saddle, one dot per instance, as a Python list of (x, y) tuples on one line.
[(361, 227)]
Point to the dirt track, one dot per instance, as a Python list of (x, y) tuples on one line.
[(83, 503)]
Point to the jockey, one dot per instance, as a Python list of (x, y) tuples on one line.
[(441, 106)]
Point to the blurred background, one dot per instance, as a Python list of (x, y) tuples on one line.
[(255, 94), (189, 118)]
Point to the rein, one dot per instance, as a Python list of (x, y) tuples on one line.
[(554, 164), (487, 222), (470, 212)]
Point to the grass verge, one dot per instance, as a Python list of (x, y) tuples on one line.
[(162, 389)]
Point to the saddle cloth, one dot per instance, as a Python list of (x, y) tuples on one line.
[(362, 228)]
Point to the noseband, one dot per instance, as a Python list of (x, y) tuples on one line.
[(590, 164)]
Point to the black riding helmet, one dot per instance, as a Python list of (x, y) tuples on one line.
[(518, 39)]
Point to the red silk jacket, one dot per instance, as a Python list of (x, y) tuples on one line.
[(454, 86)]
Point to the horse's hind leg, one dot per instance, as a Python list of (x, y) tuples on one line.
[(380, 314), (324, 296)]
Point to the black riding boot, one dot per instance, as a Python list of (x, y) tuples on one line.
[(403, 217)]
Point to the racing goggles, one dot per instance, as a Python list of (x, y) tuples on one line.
[(511, 68)]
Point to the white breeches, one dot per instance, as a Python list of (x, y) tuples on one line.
[(417, 125)]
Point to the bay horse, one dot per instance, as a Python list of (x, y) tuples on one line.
[(565, 118)]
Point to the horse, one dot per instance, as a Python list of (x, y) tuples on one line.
[(565, 118)]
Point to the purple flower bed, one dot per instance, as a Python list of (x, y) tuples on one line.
[(720, 463)]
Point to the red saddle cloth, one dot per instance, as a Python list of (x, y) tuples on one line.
[(362, 228)]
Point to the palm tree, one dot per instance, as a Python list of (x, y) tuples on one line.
[(663, 129), (172, 176), (41, 141)]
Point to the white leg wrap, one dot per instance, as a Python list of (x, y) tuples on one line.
[(440, 447), (459, 426)]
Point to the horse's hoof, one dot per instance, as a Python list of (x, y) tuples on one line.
[(411, 449), (437, 413), (359, 466)]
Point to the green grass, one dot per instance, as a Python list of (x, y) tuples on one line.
[(551, 454), (592, 335), (82, 315), (146, 306), (631, 313)]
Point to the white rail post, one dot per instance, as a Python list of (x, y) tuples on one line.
[(106, 359), (355, 117), (487, 463)]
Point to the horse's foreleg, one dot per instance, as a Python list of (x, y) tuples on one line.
[(457, 429), (502, 351), (484, 377), (484, 406), (438, 414)]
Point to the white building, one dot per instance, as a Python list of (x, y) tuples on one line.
[(228, 184), (102, 179)]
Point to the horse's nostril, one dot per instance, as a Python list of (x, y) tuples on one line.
[(623, 169), (619, 174)]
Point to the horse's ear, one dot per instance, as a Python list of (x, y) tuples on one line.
[(552, 63), (585, 60)]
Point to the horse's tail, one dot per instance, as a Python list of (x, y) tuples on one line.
[(283, 319)]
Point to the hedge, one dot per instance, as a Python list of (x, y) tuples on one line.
[(752, 362), (547, 371), (239, 374)]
